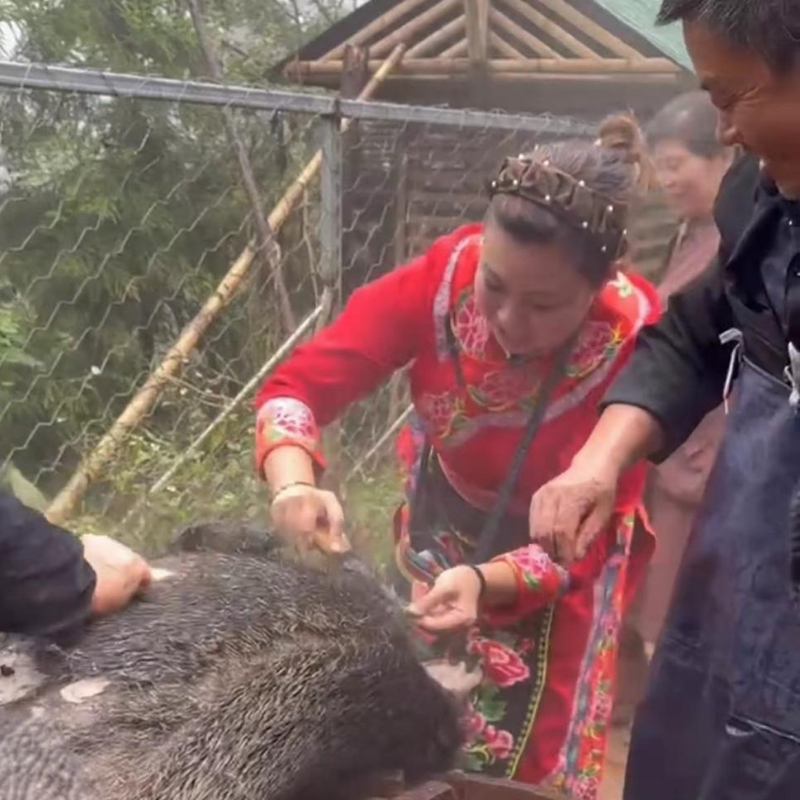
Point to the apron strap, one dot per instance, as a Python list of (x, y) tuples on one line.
[(731, 335), (792, 375)]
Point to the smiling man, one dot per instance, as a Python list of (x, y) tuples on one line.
[(721, 719)]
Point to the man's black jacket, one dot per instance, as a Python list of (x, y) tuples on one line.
[(46, 586), (678, 370)]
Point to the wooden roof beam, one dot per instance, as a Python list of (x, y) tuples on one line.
[(530, 66), (457, 50), (503, 47), (436, 38), (540, 48), (376, 26), (552, 29), (619, 79), (563, 9), (477, 16), (406, 33), (612, 79)]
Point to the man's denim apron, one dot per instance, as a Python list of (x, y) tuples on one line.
[(721, 718)]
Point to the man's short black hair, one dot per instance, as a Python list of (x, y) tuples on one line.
[(770, 28)]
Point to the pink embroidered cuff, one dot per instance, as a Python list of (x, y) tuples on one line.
[(286, 421), (539, 579)]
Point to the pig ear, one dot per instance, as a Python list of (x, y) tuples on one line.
[(188, 540), (225, 537)]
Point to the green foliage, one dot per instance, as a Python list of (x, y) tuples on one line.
[(121, 217), (371, 505)]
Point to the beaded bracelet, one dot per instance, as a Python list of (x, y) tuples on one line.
[(285, 488)]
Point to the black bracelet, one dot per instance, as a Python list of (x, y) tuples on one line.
[(481, 577)]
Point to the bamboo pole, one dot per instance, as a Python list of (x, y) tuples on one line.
[(244, 393), (144, 400), (540, 48), (590, 28), (449, 66), (553, 29), (383, 22), (407, 32)]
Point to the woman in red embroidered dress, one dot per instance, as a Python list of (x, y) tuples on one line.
[(483, 319)]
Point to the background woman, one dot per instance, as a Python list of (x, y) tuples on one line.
[(511, 327), (690, 164)]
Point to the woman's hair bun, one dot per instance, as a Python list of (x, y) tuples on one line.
[(623, 134)]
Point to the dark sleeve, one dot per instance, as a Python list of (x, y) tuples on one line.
[(46, 586), (677, 371)]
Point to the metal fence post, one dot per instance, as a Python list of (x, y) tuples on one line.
[(330, 267)]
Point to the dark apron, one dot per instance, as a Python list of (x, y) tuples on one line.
[(721, 718)]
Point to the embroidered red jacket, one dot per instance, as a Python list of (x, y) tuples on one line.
[(401, 320)]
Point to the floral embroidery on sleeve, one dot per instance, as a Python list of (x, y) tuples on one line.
[(540, 581), (282, 421)]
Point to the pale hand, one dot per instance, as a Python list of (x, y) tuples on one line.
[(567, 514), (120, 573), (452, 602), (310, 517)]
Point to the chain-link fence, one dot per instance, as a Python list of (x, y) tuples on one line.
[(163, 244)]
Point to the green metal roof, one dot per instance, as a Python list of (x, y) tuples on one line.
[(641, 16)]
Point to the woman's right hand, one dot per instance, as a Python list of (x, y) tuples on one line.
[(310, 517)]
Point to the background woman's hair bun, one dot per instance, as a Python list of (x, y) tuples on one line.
[(623, 134)]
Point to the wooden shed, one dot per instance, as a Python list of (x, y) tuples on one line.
[(406, 183)]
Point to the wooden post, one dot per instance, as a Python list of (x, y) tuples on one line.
[(355, 71), (145, 398), (477, 15)]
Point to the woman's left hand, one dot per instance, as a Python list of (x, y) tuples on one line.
[(452, 602)]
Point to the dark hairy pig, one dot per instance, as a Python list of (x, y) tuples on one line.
[(244, 675)]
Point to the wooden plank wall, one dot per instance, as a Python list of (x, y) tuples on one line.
[(406, 185)]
